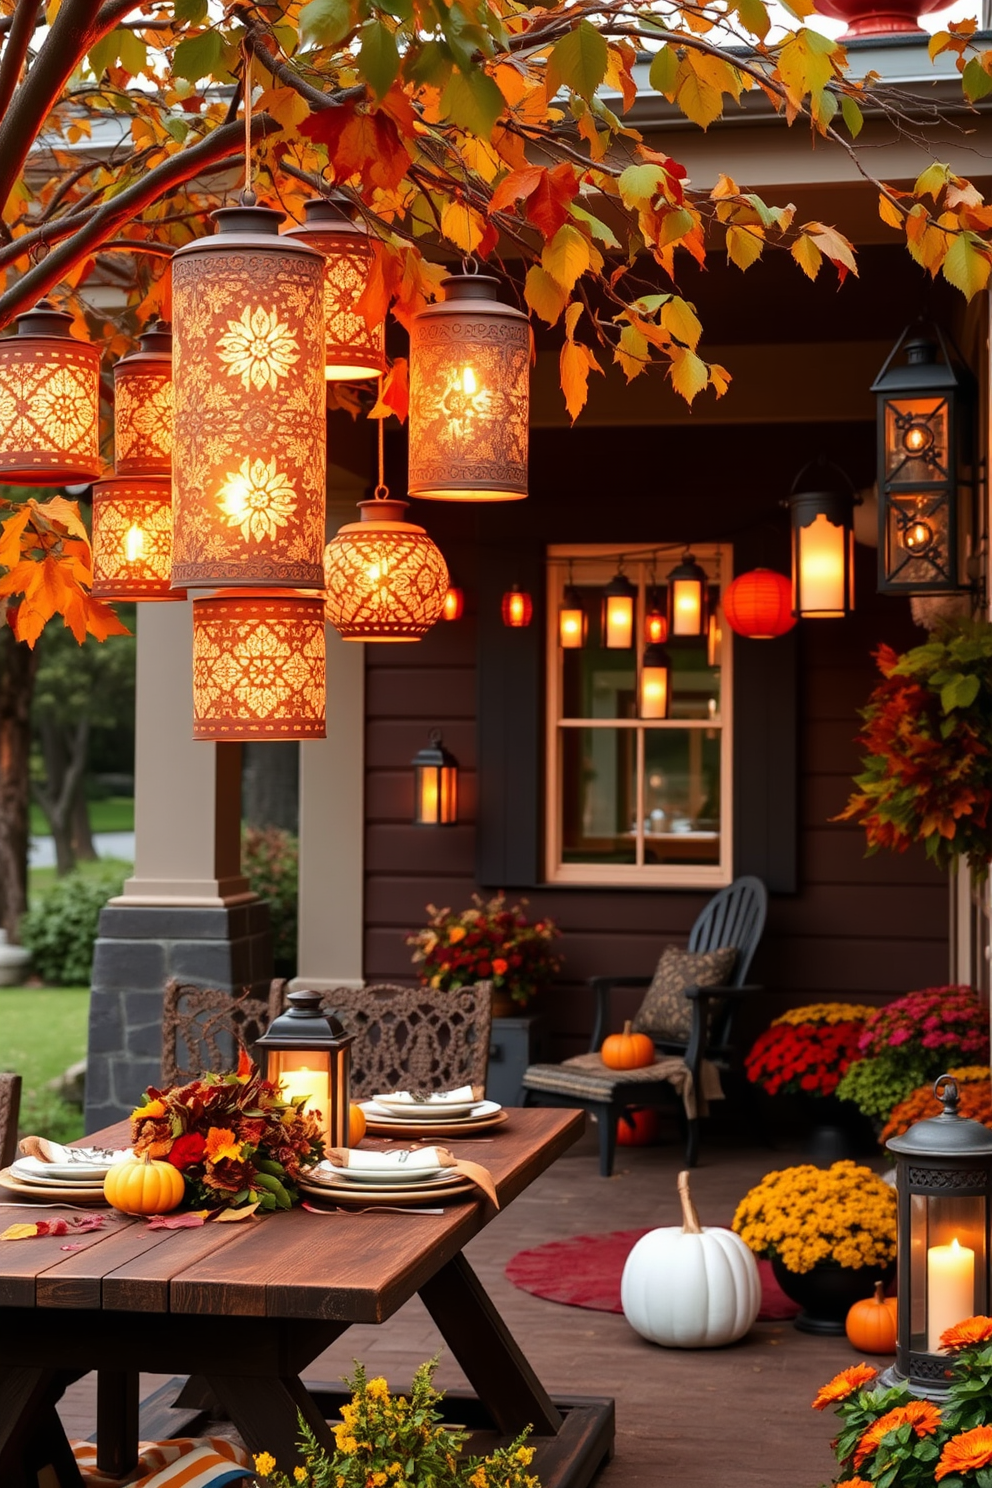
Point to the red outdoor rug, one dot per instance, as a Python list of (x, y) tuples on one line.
[(585, 1271)]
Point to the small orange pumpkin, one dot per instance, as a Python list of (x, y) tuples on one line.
[(356, 1125), (871, 1323), (143, 1185), (638, 1127), (627, 1050)]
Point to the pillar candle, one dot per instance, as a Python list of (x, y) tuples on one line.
[(311, 1083), (950, 1289)]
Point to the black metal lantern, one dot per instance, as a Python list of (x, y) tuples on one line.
[(924, 395), (656, 683), (944, 1182), (573, 622), (688, 595), (307, 1052), (619, 601), (435, 785), (822, 511)]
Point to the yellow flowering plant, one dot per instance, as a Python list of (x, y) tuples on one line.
[(844, 1214), (392, 1441)]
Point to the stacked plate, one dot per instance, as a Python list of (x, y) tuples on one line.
[(76, 1177), (360, 1186), (431, 1116)]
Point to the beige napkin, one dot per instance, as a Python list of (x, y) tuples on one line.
[(461, 1096), (413, 1160), (53, 1152)]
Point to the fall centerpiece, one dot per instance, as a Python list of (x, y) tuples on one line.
[(911, 1041), (889, 1437), (233, 1137), (830, 1234), (391, 1441), (489, 942)]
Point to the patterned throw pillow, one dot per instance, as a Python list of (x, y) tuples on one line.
[(666, 1012)]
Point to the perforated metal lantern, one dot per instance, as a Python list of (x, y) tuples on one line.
[(259, 667), (49, 402), (249, 440), (143, 405), (352, 350), (924, 396), (469, 395), (132, 538), (307, 1053), (944, 1183), (384, 578)]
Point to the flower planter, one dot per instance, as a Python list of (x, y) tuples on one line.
[(827, 1293), (838, 1130)]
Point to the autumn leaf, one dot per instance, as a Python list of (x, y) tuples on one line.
[(807, 256), (967, 264), (548, 207), (394, 392), (575, 364), (326, 22), (688, 373), (889, 212), (680, 319), (633, 353), (578, 61), (378, 57), (566, 257), (664, 70), (543, 294), (833, 245), (473, 101), (744, 245), (462, 225), (360, 143)]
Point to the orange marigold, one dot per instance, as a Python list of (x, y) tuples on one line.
[(221, 1143), (844, 1384), (920, 1414), (965, 1453), (963, 1335)]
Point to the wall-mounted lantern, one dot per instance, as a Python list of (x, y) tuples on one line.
[(435, 785)]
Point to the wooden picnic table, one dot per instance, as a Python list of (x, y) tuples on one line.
[(245, 1308)]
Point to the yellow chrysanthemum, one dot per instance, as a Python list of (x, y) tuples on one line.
[(377, 1388), (265, 1464), (826, 1012)]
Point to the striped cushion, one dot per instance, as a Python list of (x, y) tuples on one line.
[(183, 1462)]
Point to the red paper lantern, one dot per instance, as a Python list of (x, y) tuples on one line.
[(517, 608), (454, 604), (759, 604)]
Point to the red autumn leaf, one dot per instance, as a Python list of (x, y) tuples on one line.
[(178, 1221), (360, 144), (547, 207), (516, 186)]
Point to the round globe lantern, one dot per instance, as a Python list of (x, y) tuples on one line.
[(384, 578), (758, 605), (49, 402)]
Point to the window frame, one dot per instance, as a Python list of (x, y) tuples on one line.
[(717, 558)]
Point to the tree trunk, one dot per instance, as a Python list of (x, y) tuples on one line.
[(18, 666), (82, 832), (270, 785), (65, 764)]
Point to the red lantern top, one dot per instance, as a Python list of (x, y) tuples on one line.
[(759, 604)]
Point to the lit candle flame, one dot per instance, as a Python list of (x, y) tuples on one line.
[(134, 544), (469, 381)]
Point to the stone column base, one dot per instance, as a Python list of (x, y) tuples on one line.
[(138, 950)]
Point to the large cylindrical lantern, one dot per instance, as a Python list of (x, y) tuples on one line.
[(259, 667), (49, 402), (307, 1053), (469, 395), (758, 604), (944, 1183), (384, 578), (924, 436), (617, 622), (435, 785), (143, 405), (352, 351), (249, 444), (132, 538), (688, 591), (822, 509), (656, 683)]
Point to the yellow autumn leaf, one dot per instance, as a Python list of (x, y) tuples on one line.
[(633, 352), (967, 265), (725, 186), (744, 245), (807, 256), (566, 257), (543, 294), (698, 99), (576, 362), (462, 225), (681, 321), (889, 212), (720, 379), (689, 373), (19, 1232)]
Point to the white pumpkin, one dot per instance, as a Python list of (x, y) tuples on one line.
[(690, 1287)]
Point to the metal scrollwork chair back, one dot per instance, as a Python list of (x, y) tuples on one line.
[(201, 1027), (10, 1108)]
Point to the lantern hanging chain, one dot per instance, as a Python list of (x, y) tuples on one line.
[(248, 196)]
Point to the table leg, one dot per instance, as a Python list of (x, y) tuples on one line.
[(265, 1410), (30, 1430), (116, 1421), (487, 1351)]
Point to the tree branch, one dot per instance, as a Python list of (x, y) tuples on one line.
[(24, 23)]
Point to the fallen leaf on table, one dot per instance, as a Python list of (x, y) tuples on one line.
[(20, 1232), (78, 1226), (231, 1216), (178, 1221)]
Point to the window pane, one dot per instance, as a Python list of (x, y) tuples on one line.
[(597, 683), (599, 795), (682, 795), (695, 685)]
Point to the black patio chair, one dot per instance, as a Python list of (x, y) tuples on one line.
[(734, 917)]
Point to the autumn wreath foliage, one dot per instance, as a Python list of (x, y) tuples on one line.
[(232, 1136), (928, 732), (492, 941), (975, 1103), (889, 1438), (808, 1050)]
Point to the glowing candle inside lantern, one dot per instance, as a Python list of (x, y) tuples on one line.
[(687, 606), (134, 544), (469, 382), (950, 1289), (619, 622), (821, 567), (310, 1083)]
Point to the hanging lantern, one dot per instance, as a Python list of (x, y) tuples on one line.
[(822, 507), (352, 351), (687, 595), (132, 538), (307, 1053), (655, 620), (454, 604), (259, 667), (469, 395), (573, 622), (617, 627), (435, 785), (923, 440), (385, 580), (49, 402), (656, 682), (758, 604), (143, 405), (517, 608), (249, 441)]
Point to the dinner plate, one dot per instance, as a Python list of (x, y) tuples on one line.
[(441, 1180), (391, 1198), (382, 1126), (450, 1116), (44, 1180), (426, 1110), (380, 1176), (49, 1193)]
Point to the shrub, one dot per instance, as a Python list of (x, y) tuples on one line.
[(60, 929), (270, 860)]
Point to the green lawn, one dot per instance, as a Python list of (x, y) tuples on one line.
[(42, 1032), (107, 814), (40, 879)]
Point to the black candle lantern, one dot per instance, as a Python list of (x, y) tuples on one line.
[(944, 1181), (822, 511), (435, 785), (307, 1052), (688, 594), (616, 632), (924, 394)]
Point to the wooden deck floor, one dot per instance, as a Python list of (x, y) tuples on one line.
[(701, 1418)]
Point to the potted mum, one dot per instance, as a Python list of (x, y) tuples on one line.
[(830, 1234), (921, 1104), (489, 942)]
